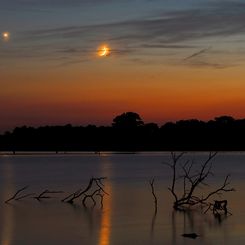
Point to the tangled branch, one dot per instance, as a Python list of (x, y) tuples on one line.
[(152, 181), (192, 180), (99, 191), (43, 195), (17, 197)]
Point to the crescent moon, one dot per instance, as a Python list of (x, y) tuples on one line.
[(104, 51)]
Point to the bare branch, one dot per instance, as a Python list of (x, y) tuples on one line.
[(43, 195), (175, 159), (101, 199), (220, 189), (77, 194), (98, 183), (16, 194), (153, 192), (91, 196), (72, 195), (25, 196), (193, 181)]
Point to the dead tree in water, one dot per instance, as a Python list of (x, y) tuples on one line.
[(152, 182), (94, 189), (18, 197), (99, 191), (218, 207), (153, 192), (191, 180), (44, 194)]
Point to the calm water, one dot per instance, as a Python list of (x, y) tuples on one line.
[(127, 216)]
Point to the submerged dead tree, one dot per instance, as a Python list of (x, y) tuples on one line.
[(43, 195), (94, 188), (152, 181), (46, 194), (152, 184), (93, 191), (17, 196), (190, 180)]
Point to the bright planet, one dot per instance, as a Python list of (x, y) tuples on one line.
[(5, 35)]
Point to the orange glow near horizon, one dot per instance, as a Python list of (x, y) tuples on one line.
[(87, 70), (95, 94)]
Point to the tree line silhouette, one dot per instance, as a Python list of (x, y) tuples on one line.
[(128, 132)]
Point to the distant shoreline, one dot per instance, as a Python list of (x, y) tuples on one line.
[(130, 134), (102, 153), (19, 153)]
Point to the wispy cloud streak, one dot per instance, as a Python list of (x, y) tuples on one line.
[(217, 20), (197, 54), (174, 30)]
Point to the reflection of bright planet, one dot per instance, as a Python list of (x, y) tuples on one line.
[(5, 35), (103, 51)]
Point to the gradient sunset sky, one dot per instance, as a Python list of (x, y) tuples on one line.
[(169, 60)]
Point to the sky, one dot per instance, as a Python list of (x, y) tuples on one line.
[(169, 60)]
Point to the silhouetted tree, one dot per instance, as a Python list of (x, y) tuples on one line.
[(224, 119), (127, 120), (151, 127)]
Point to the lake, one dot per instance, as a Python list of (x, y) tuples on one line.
[(128, 214)]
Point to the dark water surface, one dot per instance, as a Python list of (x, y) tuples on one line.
[(128, 215)]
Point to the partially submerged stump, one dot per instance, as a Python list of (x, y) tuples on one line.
[(190, 235), (220, 206)]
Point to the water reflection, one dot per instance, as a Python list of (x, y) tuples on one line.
[(105, 228), (173, 219), (7, 226), (153, 222), (128, 214), (194, 221)]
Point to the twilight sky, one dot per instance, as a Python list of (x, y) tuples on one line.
[(170, 60)]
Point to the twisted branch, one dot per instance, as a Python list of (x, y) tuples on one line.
[(99, 192), (15, 196), (192, 181), (43, 195)]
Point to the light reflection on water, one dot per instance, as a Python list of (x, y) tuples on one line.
[(105, 227), (127, 216), (7, 214)]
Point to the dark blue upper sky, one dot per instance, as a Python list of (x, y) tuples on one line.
[(79, 25), (170, 59)]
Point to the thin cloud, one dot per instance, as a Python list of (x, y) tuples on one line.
[(219, 20), (71, 62), (166, 46), (51, 3), (205, 64), (176, 30), (197, 54)]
